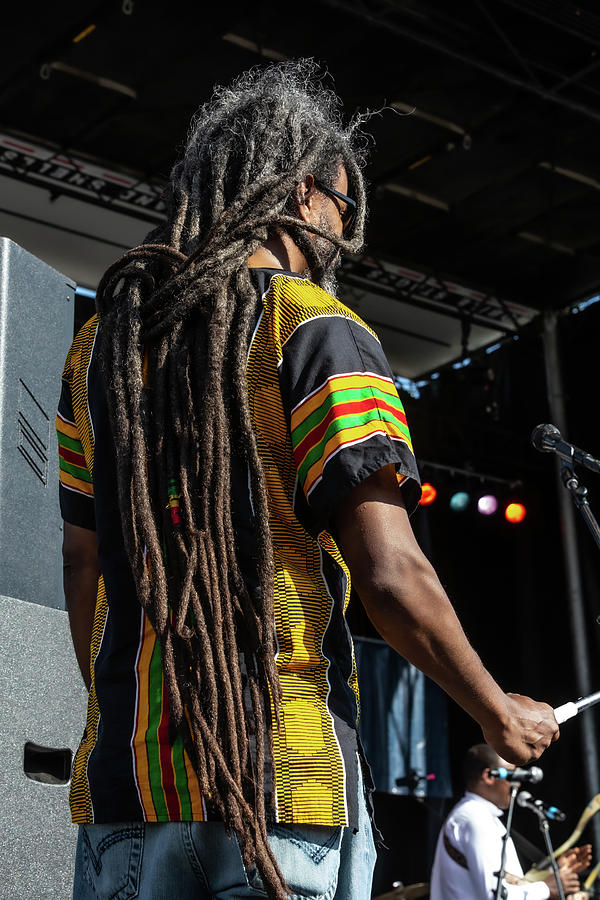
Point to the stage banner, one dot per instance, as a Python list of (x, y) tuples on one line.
[(403, 723)]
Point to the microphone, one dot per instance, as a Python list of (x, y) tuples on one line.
[(548, 439), (525, 800), (534, 774), (413, 779)]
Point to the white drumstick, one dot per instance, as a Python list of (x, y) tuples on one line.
[(568, 710)]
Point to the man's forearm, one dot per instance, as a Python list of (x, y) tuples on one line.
[(413, 614), (81, 572), (81, 586)]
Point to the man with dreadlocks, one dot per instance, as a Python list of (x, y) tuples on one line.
[(232, 448)]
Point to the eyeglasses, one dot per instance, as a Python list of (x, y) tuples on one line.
[(348, 214)]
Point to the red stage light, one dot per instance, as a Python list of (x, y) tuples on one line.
[(515, 512), (428, 495)]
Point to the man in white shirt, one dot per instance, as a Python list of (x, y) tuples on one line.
[(469, 847)]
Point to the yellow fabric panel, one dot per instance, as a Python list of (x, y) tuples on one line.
[(291, 301), (75, 372), (79, 796), (309, 768)]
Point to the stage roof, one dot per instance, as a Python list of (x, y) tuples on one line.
[(485, 169)]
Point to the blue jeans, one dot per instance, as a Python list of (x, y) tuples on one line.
[(198, 861)]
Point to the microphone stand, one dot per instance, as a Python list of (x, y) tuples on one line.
[(545, 829), (579, 496), (501, 891)]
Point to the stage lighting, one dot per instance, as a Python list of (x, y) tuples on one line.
[(515, 513), (459, 501), (428, 495), (487, 505)]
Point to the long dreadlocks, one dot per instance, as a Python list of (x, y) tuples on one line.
[(174, 316)]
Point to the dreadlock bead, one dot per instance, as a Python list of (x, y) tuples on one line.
[(173, 504)]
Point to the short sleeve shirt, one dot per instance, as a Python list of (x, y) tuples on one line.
[(326, 415), (468, 855)]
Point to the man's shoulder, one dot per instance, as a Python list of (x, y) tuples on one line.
[(469, 810), (81, 348), (295, 301)]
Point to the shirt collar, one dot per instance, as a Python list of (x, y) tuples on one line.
[(492, 808)]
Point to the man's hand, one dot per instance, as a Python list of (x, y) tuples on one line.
[(578, 859), (569, 880), (409, 608), (529, 727)]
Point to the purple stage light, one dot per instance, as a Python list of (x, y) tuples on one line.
[(487, 505)]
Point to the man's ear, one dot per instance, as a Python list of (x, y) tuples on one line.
[(305, 197), (488, 779)]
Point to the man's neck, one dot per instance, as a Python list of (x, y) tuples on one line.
[(279, 252)]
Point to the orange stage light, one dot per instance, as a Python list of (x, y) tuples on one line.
[(515, 512), (429, 493)]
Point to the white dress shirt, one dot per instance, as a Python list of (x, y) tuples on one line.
[(475, 830)]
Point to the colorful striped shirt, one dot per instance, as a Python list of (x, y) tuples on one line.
[(326, 415)]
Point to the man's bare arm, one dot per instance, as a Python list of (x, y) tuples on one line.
[(411, 611), (80, 579)]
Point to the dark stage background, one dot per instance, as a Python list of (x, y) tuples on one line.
[(507, 582)]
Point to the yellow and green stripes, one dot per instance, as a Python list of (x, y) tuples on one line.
[(168, 788), (347, 409), (73, 471), (75, 373)]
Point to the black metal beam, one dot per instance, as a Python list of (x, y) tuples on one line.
[(555, 73), (576, 76), (526, 8), (506, 40), (347, 6)]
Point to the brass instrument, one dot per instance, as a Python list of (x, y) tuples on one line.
[(591, 877)]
